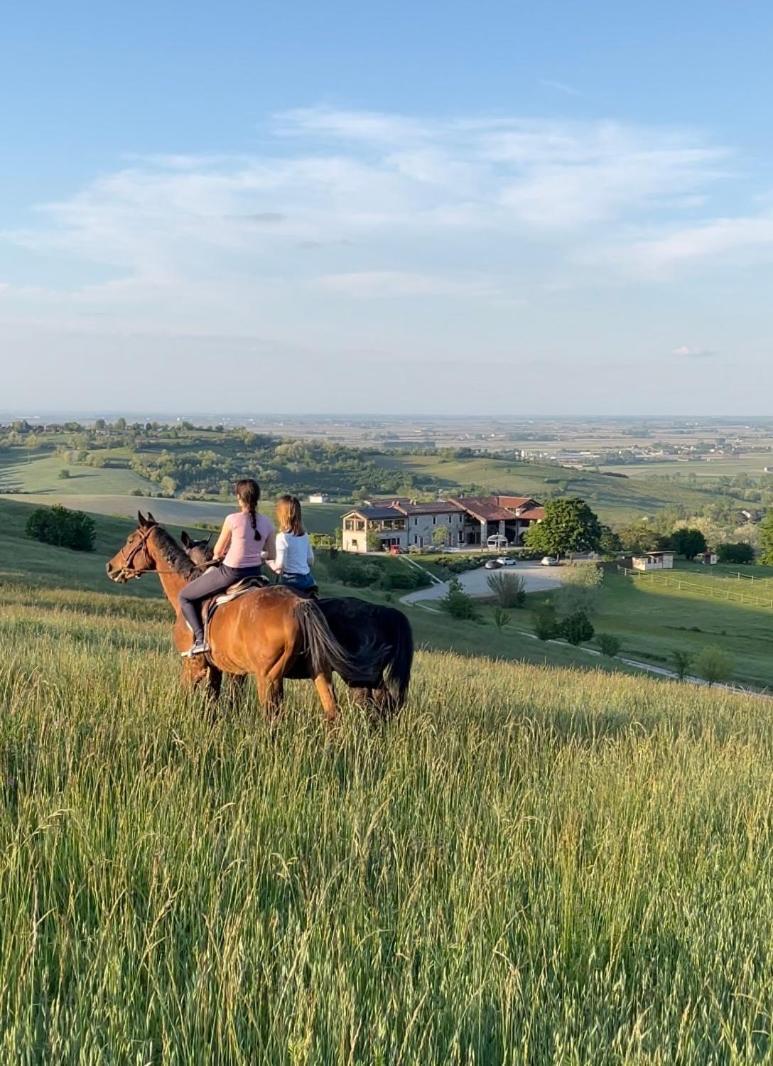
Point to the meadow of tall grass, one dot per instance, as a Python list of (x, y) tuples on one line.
[(530, 866)]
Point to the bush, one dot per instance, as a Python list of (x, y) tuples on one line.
[(609, 644), (546, 624), (458, 604), (736, 552), (501, 618), (714, 664), (577, 628), (66, 529), (580, 589), (352, 572), (63, 474), (509, 589)]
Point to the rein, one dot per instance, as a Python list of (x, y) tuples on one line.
[(142, 543)]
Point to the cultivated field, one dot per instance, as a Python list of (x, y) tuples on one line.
[(531, 865)]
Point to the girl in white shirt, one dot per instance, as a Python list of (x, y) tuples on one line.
[(294, 554)]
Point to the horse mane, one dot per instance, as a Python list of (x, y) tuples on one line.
[(173, 554)]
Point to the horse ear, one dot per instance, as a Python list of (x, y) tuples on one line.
[(151, 520), (141, 520), (187, 542)]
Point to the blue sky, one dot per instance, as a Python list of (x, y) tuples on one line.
[(561, 208)]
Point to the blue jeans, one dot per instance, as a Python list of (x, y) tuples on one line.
[(300, 582), (216, 579)]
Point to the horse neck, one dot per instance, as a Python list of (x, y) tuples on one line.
[(171, 580)]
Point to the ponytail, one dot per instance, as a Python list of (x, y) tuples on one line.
[(248, 493)]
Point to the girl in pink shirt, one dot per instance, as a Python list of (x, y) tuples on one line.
[(245, 540)]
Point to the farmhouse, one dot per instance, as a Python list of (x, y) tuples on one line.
[(464, 520), (653, 561)]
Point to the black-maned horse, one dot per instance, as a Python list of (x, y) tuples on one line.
[(359, 627)]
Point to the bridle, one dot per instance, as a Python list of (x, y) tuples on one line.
[(136, 572)]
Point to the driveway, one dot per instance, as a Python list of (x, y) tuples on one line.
[(474, 582)]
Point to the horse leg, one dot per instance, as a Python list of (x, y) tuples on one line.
[(327, 698)]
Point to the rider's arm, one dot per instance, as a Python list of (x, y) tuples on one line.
[(222, 541), (276, 547), (310, 554)]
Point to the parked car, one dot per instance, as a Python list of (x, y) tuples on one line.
[(492, 564), (505, 560), (548, 560)]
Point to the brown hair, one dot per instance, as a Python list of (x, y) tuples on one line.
[(288, 515), (248, 493)]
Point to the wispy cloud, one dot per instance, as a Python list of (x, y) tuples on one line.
[(688, 351), (560, 87)]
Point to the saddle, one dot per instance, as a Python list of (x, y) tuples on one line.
[(233, 592)]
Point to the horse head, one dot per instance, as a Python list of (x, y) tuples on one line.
[(198, 551), (134, 558)]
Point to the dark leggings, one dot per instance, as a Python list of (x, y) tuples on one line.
[(216, 579)]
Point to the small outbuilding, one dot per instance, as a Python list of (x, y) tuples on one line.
[(653, 561)]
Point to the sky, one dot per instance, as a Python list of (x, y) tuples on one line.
[(451, 208)]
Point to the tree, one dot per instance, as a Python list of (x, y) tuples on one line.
[(577, 628), (688, 542), (766, 539), (714, 664), (610, 543), (610, 644), (501, 618), (681, 661), (735, 552), (456, 601), (372, 541), (509, 589), (580, 588), (63, 474), (569, 525), (440, 536), (641, 537)]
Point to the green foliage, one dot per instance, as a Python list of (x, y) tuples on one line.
[(714, 664), (62, 527), (580, 589), (63, 474), (610, 544), (609, 644), (681, 661), (509, 590), (569, 526), (440, 536), (577, 628), (640, 537), (458, 604), (766, 539), (457, 563), (501, 618), (687, 542), (546, 623), (735, 552)]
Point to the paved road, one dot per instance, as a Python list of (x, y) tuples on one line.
[(474, 582)]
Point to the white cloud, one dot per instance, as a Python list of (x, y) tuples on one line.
[(687, 351)]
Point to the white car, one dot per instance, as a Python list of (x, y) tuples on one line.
[(505, 560), (548, 560), (492, 564)]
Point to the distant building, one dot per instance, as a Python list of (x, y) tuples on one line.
[(319, 497), (653, 561), (466, 521)]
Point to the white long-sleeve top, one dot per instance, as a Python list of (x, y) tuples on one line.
[(294, 555)]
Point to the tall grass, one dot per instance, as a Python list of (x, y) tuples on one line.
[(529, 866)]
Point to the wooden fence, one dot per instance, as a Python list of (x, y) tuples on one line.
[(727, 594)]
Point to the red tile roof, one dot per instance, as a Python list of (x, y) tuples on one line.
[(484, 507), (532, 514)]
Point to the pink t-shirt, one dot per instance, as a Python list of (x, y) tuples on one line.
[(244, 550)]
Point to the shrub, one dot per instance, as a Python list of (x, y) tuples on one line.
[(546, 625), (63, 474), (681, 661), (714, 664), (501, 618), (458, 604), (509, 589), (62, 527), (735, 552), (687, 542), (577, 628), (580, 588), (609, 644)]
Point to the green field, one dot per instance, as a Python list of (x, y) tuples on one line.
[(530, 866), (25, 471)]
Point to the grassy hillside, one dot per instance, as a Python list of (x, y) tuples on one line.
[(529, 866)]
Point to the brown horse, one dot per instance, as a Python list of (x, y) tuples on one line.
[(264, 632)]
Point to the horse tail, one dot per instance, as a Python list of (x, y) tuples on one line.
[(397, 672), (324, 651)]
